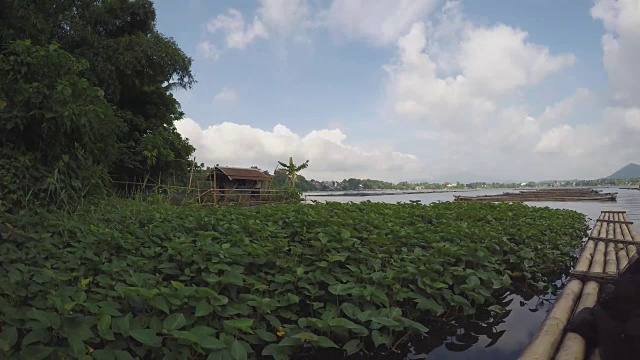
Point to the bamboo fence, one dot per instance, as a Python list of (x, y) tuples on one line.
[(211, 196), (607, 251)]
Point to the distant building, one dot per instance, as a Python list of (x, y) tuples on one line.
[(238, 178)]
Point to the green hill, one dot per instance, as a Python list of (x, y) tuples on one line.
[(630, 171)]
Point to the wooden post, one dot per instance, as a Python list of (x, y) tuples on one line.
[(191, 174), (215, 187)]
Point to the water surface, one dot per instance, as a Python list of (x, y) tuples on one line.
[(525, 316)]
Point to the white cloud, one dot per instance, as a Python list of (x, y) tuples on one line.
[(329, 154), (226, 95), (565, 108), (499, 59), (457, 81), (380, 22), (555, 140), (621, 46), (287, 17), (488, 63), (237, 34), (207, 50)]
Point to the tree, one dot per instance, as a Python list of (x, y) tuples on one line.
[(293, 170), (58, 133), (135, 66)]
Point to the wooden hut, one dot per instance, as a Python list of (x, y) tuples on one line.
[(230, 178)]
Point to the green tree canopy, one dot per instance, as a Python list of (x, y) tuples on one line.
[(135, 66), (58, 134)]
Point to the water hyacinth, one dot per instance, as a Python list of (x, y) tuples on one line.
[(125, 279)]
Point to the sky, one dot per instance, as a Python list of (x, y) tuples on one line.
[(482, 90)]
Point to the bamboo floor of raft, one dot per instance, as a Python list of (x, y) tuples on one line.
[(606, 252)]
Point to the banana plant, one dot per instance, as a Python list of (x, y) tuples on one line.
[(293, 170)]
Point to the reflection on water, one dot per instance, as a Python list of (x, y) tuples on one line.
[(479, 336)]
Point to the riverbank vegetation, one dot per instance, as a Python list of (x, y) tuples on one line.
[(85, 99), (353, 184), (125, 278)]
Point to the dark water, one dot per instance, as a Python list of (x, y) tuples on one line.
[(506, 337)]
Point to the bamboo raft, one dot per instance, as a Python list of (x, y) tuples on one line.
[(607, 251), (544, 195)]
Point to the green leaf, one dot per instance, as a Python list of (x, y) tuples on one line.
[(273, 321), (206, 338), (104, 322), (306, 335), (37, 335), (266, 336), (203, 309), (352, 346), (506, 280), (340, 289), (238, 352), (278, 352), (222, 354), (429, 305), (350, 310), (36, 352), (232, 277), (380, 338), (9, 336), (184, 335), (103, 354), (460, 301), (243, 324), (348, 324), (325, 342), (146, 336), (121, 325), (385, 321), (159, 302), (48, 318), (77, 346), (174, 321), (473, 280), (415, 325), (107, 334)]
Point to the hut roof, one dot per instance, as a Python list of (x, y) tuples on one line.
[(243, 174)]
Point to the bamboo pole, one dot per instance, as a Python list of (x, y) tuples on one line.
[(611, 264), (631, 250), (630, 228), (623, 256), (573, 346), (546, 341)]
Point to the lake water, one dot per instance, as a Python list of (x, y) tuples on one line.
[(522, 323)]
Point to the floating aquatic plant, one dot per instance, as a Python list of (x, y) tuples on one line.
[(125, 279)]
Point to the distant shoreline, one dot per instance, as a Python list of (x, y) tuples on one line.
[(359, 193)]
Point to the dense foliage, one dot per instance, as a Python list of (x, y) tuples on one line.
[(57, 131), (122, 278), (110, 45)]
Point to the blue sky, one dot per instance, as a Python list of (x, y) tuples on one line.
[(412, 89)]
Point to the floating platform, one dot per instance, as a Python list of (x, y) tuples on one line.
[(611, 246), (562, 195)]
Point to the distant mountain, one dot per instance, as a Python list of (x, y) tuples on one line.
[(628, 172)]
